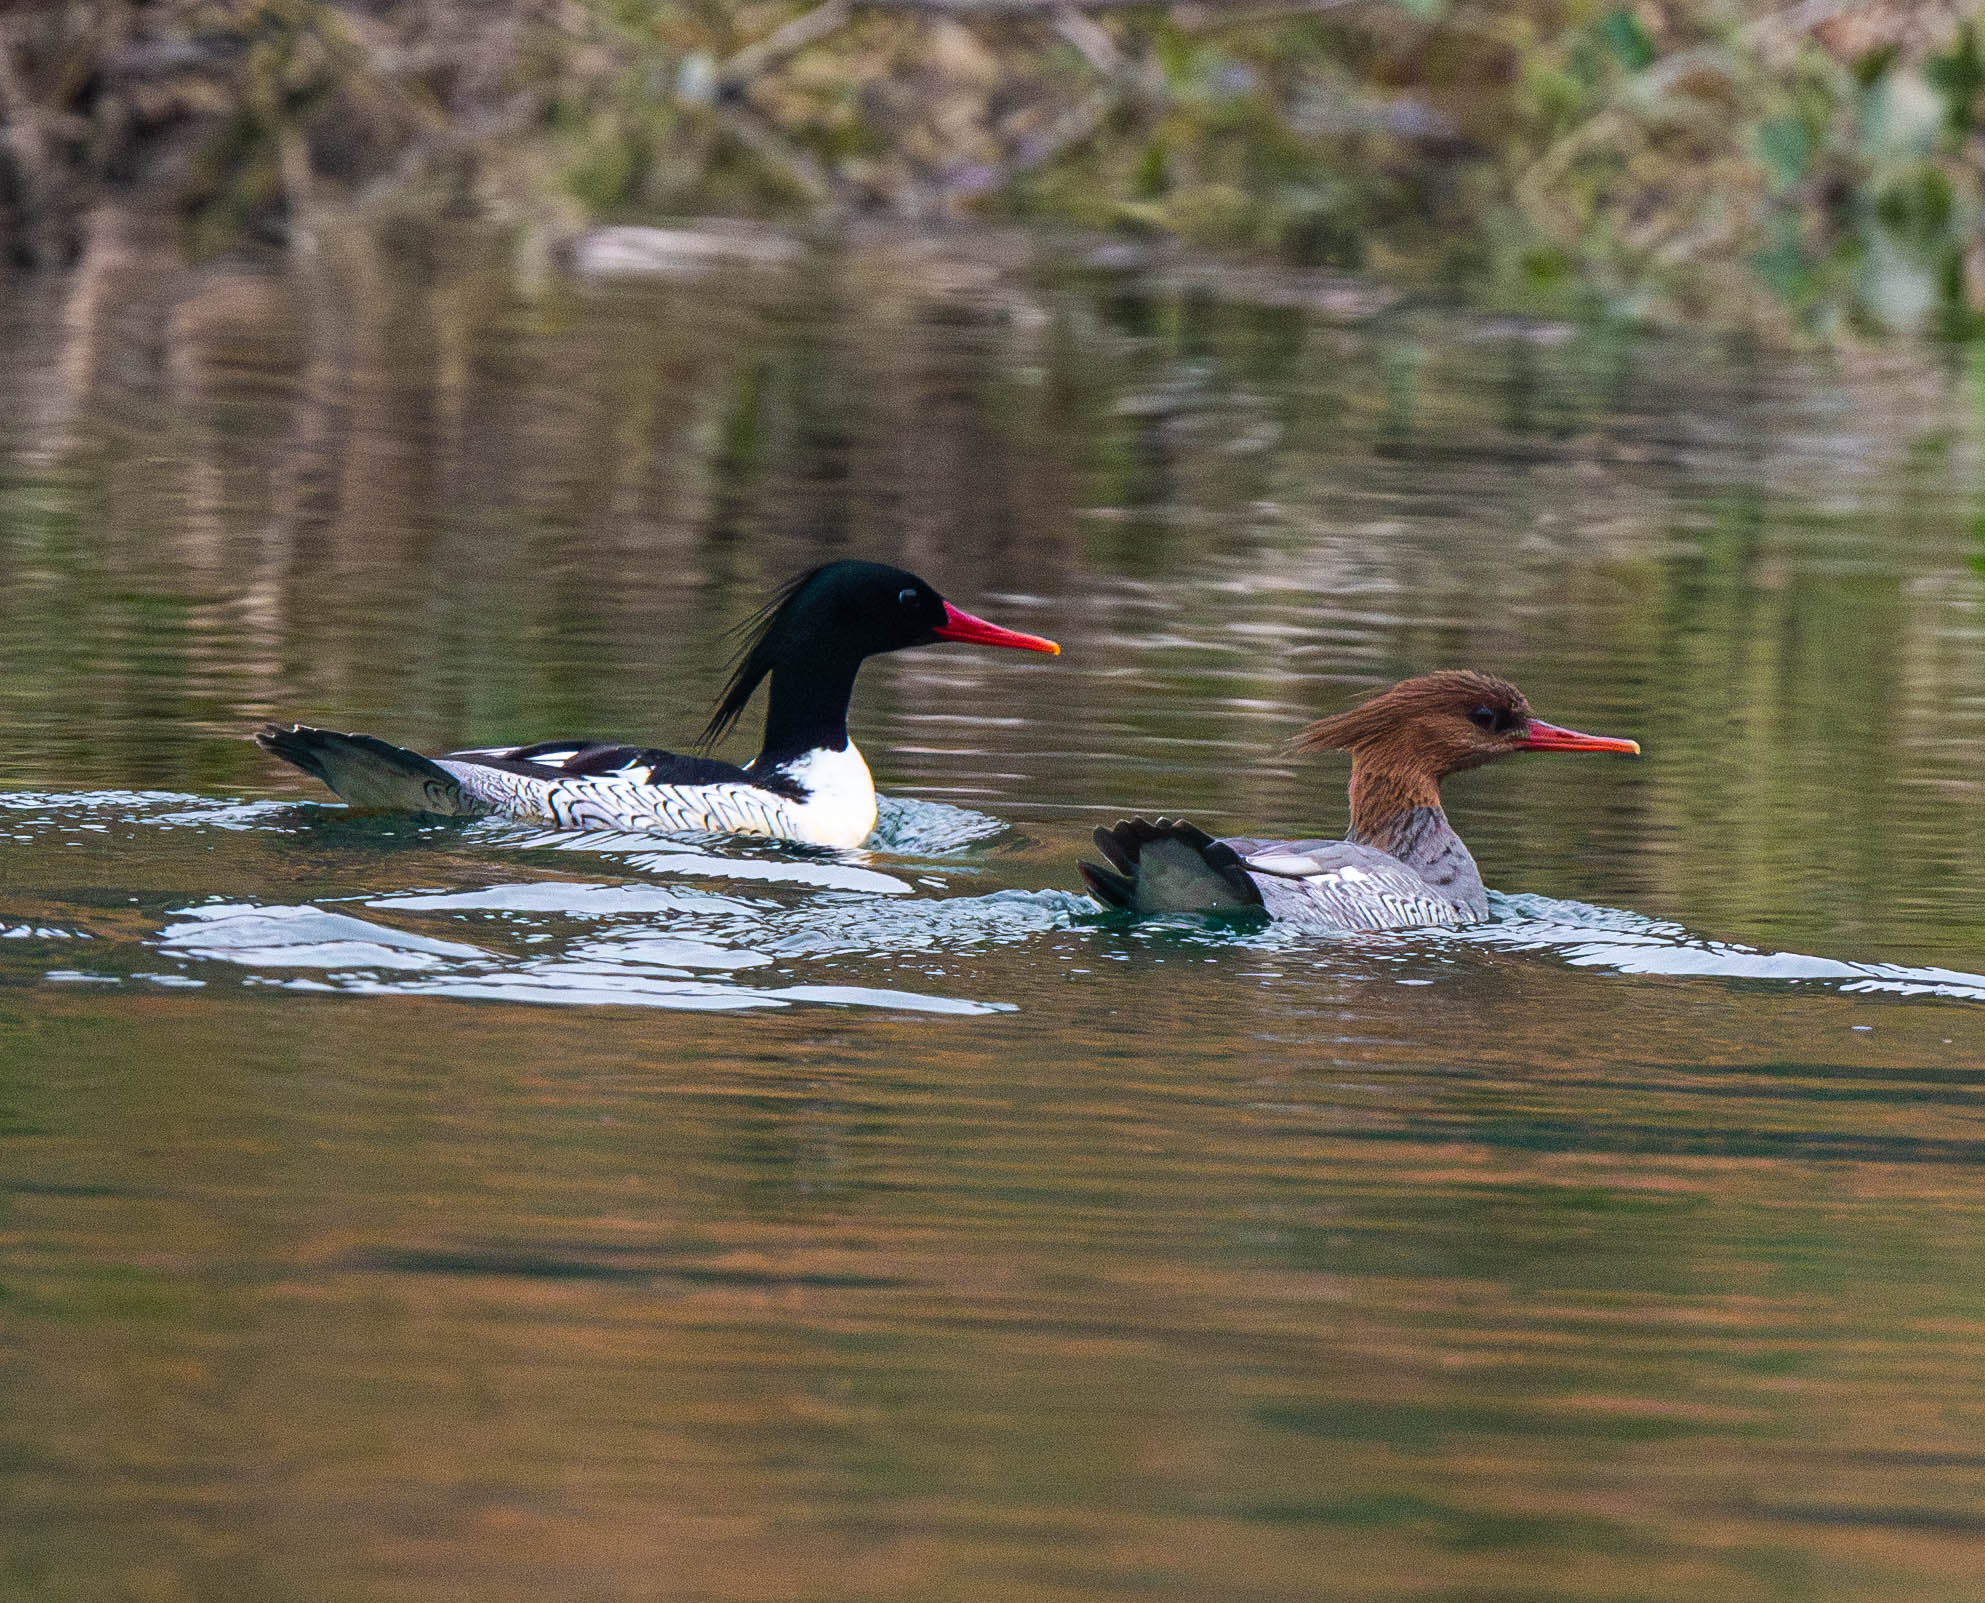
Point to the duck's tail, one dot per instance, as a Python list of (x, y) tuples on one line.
[(371, 776), (1168, 867)]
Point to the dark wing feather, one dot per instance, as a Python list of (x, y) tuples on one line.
[(1170, 866), (601, 759), (1113, 890)]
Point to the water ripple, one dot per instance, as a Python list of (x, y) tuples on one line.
[(638, 966), (676, 944), (1627, 943)]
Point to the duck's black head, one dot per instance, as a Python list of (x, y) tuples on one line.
[(823, 625)]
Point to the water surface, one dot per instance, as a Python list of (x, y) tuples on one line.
[(416, 1210)]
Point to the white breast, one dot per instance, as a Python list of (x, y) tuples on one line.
[(839, 809)]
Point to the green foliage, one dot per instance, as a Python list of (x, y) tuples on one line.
[(1959, 75), (1689, 161), (1756, 174), (1629, 43), (1785, 146)]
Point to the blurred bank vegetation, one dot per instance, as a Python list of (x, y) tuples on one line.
[(1810, 169)]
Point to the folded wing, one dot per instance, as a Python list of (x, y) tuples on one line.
[(601, 759), (1172, 866), (1339, 884)]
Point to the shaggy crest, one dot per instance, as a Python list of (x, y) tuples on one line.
[(1453, 692), (756, 655)]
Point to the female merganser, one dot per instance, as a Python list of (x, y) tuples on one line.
[(1402, 866), (807, 783)]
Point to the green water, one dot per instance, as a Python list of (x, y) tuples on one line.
[(417, 1211)]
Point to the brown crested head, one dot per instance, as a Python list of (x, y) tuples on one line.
[(1435, 725), (1405, 740)]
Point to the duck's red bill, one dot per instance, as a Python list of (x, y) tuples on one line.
[(1549, 737), (977, 632)]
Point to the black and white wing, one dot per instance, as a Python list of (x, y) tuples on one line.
[(593, 784), (601, 759)]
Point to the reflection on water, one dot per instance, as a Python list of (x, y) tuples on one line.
[(890, 1224)]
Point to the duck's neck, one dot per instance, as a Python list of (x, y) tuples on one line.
[(1399, 812), (806, 710), (1384, 802)]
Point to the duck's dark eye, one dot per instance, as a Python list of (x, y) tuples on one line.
[(906, 597), (1485, 718)]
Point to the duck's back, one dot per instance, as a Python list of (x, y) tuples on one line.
[(1172, 866), (1346, 885), (822, 798)]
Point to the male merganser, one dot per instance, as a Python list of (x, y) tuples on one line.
[(1402, 867), (808, 782)]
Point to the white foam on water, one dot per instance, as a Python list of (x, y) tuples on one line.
[(634, 963), (818, 868), (1629, 943), (573, 899)]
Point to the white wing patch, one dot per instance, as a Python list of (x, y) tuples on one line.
[(1284, 865), (556, 755)]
